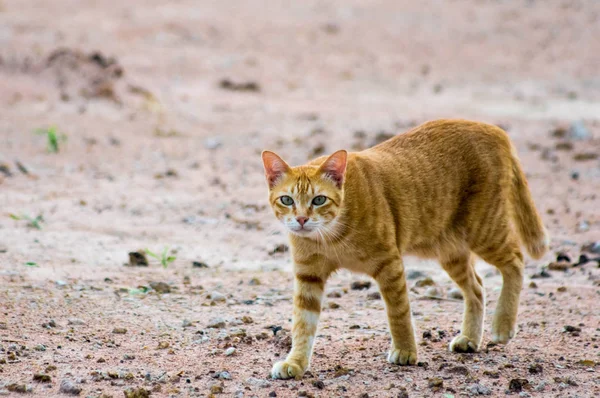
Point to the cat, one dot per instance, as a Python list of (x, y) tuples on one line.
[(448, 189)]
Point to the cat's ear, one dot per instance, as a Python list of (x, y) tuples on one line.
[(335, 167), (275, 167)]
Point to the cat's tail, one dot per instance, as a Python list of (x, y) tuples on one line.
[(528, 222)]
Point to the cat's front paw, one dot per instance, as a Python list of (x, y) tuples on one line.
[(502, 335), (286, 370), (463, 344), (402, 357)]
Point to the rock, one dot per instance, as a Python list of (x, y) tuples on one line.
[(279, 249), (272, 394), (333, 305), (76, 322), (561, 289), (216, 296), (199, 264), (578, 131), (275, 329), (258, 382), (459, 370), (455, 293), (213, 143), (49, 324), (535, 368), (318, 384), (436, 383), (230, 351), (427, 281), (571, 329), (40, 347), (225, 375), (19, 388), (247, 319), (216, 323), (533, 285), (137, 393), (592, 247), (160, 287), (360, 285), (119, 331), (42, 378), (517, 385), (479, 389), (587, 363), (542, 273), (249, 86), (559, 266), (254, 282), (583, 226), (163, 345), (374, 296), (541, 386), (433, 291), (414, 274), (563, 257), (138, 259), (334, 294), (69, 388), (216, 389)]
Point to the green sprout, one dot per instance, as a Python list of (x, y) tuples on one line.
[(53, 138), (33, 222), (31, 264), (164, 258)]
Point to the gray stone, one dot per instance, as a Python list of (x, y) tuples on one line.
[(455, 293), (69, 388), (578, 131)]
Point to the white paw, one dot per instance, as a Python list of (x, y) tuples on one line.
[(286, 370), (503, 336), (463, 344), (402, 357)]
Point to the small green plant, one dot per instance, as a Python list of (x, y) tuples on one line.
[(32, 222), (53, 138), (31, 264), (164, 258)]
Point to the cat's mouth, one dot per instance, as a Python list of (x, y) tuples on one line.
[(302, 231)]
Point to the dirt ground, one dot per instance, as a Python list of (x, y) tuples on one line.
[(161, 111)]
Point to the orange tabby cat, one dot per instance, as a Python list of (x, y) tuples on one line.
[(448, 189)]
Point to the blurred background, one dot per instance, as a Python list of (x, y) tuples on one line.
[(134, 125)]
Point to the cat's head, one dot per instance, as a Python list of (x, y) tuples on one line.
[(306, 199)]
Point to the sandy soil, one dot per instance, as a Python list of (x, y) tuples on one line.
[(166, 106)]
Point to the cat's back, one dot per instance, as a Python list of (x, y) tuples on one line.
[(448, 135)]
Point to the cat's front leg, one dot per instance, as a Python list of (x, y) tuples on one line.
[(389, 275), (308, 294)]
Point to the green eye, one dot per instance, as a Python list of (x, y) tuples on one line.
[(319, 200), (287, 200)]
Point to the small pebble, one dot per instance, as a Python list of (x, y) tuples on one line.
[(119, 331), (415, 274), (216, 296), (360, 285), (433, 291), (69, 388), (216, 323), (455, 293), (76, 322), (427, 281), (230, 351), (374, 296)]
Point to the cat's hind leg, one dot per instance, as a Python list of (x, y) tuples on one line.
[(462, 271), (508, 258)]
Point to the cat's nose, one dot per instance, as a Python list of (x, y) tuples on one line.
[(301, 220)]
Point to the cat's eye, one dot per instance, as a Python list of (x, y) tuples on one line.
[(319, 200), (287, 200)]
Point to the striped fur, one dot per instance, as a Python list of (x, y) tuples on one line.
[(448, 189)]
